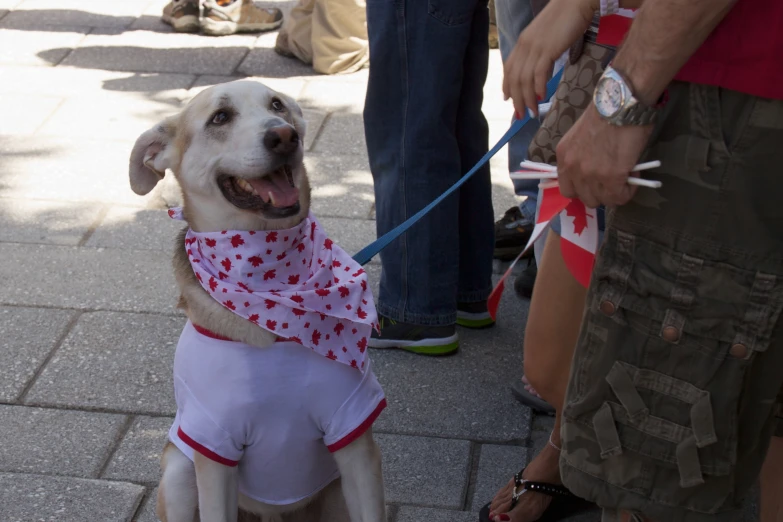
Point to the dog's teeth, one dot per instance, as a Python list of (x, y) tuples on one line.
[(271, 199)]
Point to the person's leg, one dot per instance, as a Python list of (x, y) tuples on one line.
[(339, 36), (295, 37), (671, 400), (418, 52), (476, 215), (771, 480), (556, 310)]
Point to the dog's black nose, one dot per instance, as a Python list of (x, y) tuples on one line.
[(283, 140)]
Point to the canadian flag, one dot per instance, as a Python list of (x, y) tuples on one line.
[(578, 240)]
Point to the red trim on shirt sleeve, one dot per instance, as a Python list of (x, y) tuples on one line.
[(358, 432), (210, 333), (208, 453)]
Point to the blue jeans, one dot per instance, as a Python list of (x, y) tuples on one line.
[(424, 129), (512, 18)]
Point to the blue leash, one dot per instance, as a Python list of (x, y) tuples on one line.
[(367, 253)]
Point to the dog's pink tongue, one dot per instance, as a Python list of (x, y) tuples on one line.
[(283, 194)]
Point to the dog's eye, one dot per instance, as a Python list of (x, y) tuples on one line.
[(220, 117), (277, 105)]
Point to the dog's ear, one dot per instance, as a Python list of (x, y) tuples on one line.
[(151, 156)]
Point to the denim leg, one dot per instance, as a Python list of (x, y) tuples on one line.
[(414, 99), (476, 214), (512, 18)]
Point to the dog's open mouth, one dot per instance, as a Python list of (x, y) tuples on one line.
[(273, 193)]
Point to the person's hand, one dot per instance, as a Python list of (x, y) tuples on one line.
[(529, 66), (595, 158)]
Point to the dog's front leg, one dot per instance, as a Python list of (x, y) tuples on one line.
[(362, 479), (217, 490)]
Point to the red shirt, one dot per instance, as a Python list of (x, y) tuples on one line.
[(744, 53)]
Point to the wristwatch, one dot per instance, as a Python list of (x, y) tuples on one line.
[(616, 104)]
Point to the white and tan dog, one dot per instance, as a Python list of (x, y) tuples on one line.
[(236, 151)]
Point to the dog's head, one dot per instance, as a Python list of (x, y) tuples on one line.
[(236, 150)]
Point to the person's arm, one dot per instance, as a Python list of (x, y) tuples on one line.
[(662, 38), (594, 158)]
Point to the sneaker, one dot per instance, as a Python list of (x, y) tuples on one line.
[(421, 339), (493, 26), (238, 16), (474, 315), (512, 232), (523, 284), (182, 15)]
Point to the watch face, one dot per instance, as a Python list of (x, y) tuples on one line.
[(608, 97)]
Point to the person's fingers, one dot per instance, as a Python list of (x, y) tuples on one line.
[(587, 194), (527, 83), (567, 188), (543, 71)]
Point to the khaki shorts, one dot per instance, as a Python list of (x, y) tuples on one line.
[(678, 369)]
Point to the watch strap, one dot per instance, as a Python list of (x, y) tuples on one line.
[(609, 7)]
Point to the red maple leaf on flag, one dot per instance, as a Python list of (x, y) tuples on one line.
[(353, 363), (316, 337), (338, 328), (243, 286), (237, 240), (198, 276), (269, 274), (328, 244), (295, 339), (298, 312), (270, 324), (190, 240), (271, 237), (358, 273), (222, 276), (336, 264), (226, 264), (330, 355), (285, 325), (362, 344), (336, 279), (364, 285), (210, 242), (255, 261), (361, 313), (253, 318), (212, 284), (312, 231), (576, 210), (297, 298), (280, 257), (269, 304), (343, 291), (300, 247), (323, 292), (293, 279), (230, 305)]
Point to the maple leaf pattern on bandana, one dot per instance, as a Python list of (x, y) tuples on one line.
[(295, 283)]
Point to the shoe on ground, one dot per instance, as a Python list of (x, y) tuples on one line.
[(523, 284), (512, 232), (421, 339), (281, 45), (474, 315), (182, 15), (239, 16)]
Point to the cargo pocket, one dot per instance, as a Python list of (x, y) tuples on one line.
[(661, 368), (453, 12)]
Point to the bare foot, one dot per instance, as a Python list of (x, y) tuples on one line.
[(531, 505)]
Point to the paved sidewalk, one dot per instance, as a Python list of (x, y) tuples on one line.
[(87, 313)]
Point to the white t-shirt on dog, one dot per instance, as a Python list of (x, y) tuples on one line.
[(276, 412)]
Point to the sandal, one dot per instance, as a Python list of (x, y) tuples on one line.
[(537, 404), (564, 503)]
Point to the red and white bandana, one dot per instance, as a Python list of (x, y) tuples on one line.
[(295, 283)]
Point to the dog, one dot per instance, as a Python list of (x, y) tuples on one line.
[(236, 151)]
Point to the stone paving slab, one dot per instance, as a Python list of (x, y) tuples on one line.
[(287, 86), (314, 119), (342, 185), (113, 361), (260, 62), (35, 440), (29, 336), (75, 82), (92, 13), (68, 169), (23, 115), (138, 457), (335, 97), (88, 278), (51, 222), (416, 514), (424, 471), (343, 134), (40, 45), (132, 228), (120, 116), (466, 395), (497, 464), (65, 499), (147, 513), (149, 51)]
